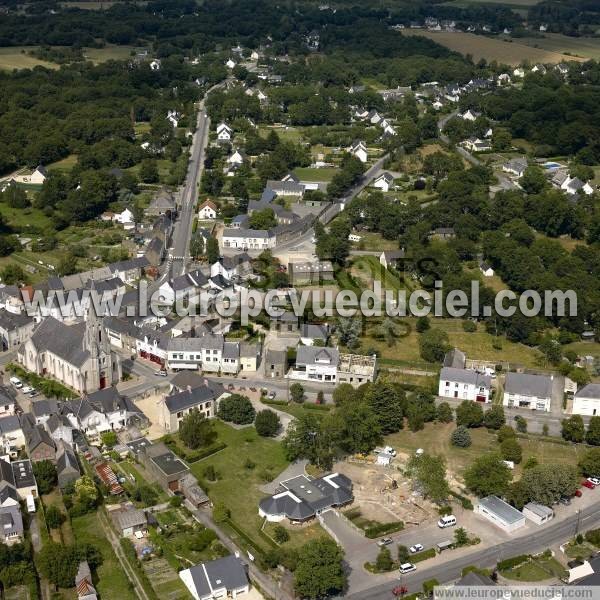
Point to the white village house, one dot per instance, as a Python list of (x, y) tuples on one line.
[(207, 210), (464, 384), (383, 182), (528, 391), (359, 149), (587, 400)]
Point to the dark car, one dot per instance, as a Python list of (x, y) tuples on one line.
[(564, 500)]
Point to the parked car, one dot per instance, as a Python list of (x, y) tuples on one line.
[(564, 500), (27, 389), (577, 494), (594, 480), (271, 395), (161, 373), (588, 484), (416, 548), (407, 568), (447, 521), (16, 382), (385, 542)]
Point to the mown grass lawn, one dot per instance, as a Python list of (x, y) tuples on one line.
[(530, 571), (310, 174), (16, 57), (112, 581), (238, 485)]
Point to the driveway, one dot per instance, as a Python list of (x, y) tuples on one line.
[(294, 470)]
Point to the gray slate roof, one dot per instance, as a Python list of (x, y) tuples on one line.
[(66, 341), (591, 390), (227, 572), (311, 355), (455, 359), (11, 321), (466, 376), (11, 520), (190, 398), (524, 384)]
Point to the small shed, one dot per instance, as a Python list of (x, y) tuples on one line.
[(384, 459), (501, 513), (538, 513)]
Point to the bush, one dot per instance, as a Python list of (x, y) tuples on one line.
[(236, 409), (202, 540), (280, 534), (461, 437), (444, 413), (267, 423), (424, 555), (511, 563), (505, 432), (469, 326), (429, 585), (464, 501), (593, 536), (511, 450), (375, 531)]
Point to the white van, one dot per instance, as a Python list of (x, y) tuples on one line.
[(447, 521), (30, 503), (16, 382), (407, 568)]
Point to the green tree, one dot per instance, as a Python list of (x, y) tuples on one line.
[(469, 414), (45, 475), (518, 494), (384, 562), (54, 517), (148, 171), (548, 483), (521, 424), (423, 324), (573, 429), (403, 554), (461, 437), (494, 417), (345, 392), (319, 572), (461, 538), (267, 423), (109, 438), (212, 250), (433, 345), (237, 409), (592, 435), (196, 431), (388, 403), (488, 475), (280, 534), (429, 475), (444, 413), (359, 427), (589, 463), (533, 180), (297, 392), (511, 450), (262, 219), (506, 431)]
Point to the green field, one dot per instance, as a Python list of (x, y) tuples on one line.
[(16, 57), (584, 47), (100, 55), (307, 174), (435, 439), (66, 164), (112, 581)]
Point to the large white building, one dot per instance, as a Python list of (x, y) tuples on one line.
[(587, 400), (464, 384), (248, 239), (528, 391)]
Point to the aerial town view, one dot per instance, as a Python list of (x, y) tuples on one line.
[(299, 299)]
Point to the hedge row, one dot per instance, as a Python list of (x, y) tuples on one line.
[(193, 455), (464, 501), (424, 555), (382, 528), (510, 563)]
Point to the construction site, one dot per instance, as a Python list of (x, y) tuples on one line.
[(384, 494)]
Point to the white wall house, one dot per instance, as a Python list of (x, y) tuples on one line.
[(224, 132), (316, 364), (500, 513), (587, 400), (383, 182), (207, 210), (464, 384), (528, 391), (359, 149), (248, 239)]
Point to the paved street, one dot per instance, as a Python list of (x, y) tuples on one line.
[(582, 515)]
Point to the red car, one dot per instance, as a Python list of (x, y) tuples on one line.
[(578, 493), (588, 484)]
